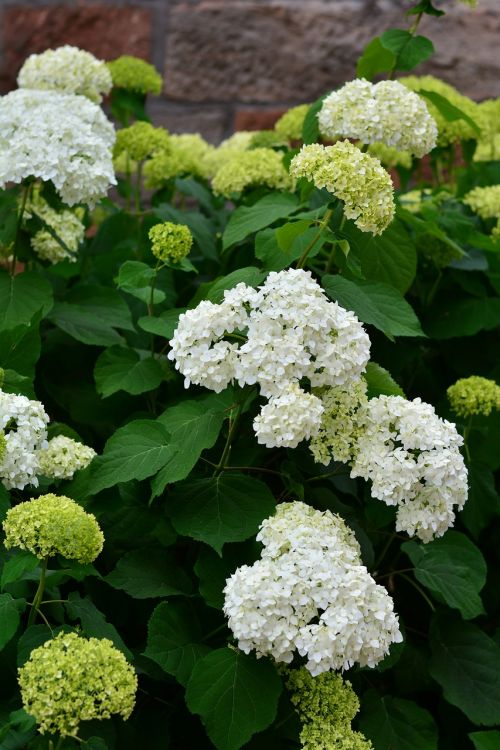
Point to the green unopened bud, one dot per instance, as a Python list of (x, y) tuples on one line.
[(133, 74), (474, 395), (170, 241)]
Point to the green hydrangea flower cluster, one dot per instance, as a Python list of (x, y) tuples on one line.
[(289, 126), (227, 150), (339, 430), (354, 177), (71, 679), (474, 395), (133, 74), (187, 155), (326, 706), (488, 145), (65, 224), (390, 157), (448, 131), (52, 525), (63, 457), (170, 241), (266, 139), (484, 201), (141, 141), (260, 166)]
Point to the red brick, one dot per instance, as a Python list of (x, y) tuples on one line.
[(256, 119), (105, 31)]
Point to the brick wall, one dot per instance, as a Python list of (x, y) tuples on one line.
[(240, 63)]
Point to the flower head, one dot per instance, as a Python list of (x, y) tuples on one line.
[(474, 395), (170, 241), (65, 224), (134, 74), (52, 525), (230, 147), (71, 679), (187, 155), (484, 201), (63, 456), (23, 422), (141, 141), (63, 138), (355, 178), (384, 112), (288, 419), (246, 169), (289, 126), (389, 156), (339, 429), (66, 69)]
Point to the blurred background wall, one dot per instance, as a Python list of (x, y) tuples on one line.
[(240, 63)]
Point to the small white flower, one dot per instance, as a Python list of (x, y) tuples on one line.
[(24, 423), (63, 456), (288, 419)]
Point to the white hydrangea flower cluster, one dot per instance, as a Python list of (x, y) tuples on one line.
[(310, 593), (63, 457), (65, 224), (64, 138), (24, 423), (413, 460), (67, 69), (293, 332), (385, 112)]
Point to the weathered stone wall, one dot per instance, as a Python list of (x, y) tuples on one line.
[(240, 63)]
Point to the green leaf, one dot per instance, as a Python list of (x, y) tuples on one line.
[(397, 724), (122, 369), (148, 574), (94, 623), (212, 571), (135, 451), (163, 324), (20, 347), (136, 278), (463, 317), (408, 49), (13, 382), (91, 313), (35, 636), (485, 740), (380, 382), (14, 569), (222, 509), (466, 663), (194, 426), (174, 635), (448, 110), (483, 502), (9, 618), (248, 219), (310, 128), (377, 304), (235, 695), (250, 275), (454, 568), (375, 59), (390, 258), (21, 297)]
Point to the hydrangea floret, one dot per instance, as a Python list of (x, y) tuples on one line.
[(63, 457), (289, 418), (484, 201), (474, 395), (70, 679), (133, 74), (23, 422), (412, 458), (65, 224), (170, 242), (246, 169), (141, 141), (289, 126), (326, 706), (385, 112), (356, 178), (67, 69), (309, 593), (52, 525), (339, 429), (63, 138)]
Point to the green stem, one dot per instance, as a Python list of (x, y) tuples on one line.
[(419, 589), (467, 431), (326, 218), (340, 470), (227, 448), (395, 573), (152, 294), (138, 188), (26, 190), (384, 552), (39, 593)]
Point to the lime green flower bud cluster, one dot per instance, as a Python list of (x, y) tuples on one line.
[(187, 155), (141, 141), (474, 395), (71, 679), (326, 705), (289, 126), (488, 146), (448, 131), (339, 430), (484, 201), (266, 139), (231, 147), (389, 156), (354, 177), (63, 456), (52, 525), (260, 166), (170, 241), (134, 74)]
